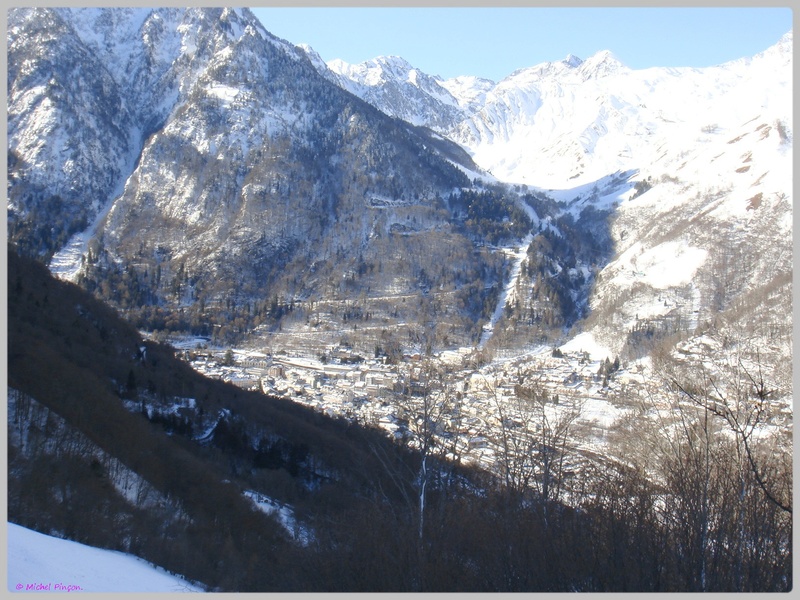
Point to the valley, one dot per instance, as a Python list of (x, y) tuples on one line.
[(386, 329), (366, 390), (581, 380)]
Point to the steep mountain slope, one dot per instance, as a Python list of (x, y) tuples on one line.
[(69, 132), (116, 443), (686, 175), (711, 238), (241, 176)]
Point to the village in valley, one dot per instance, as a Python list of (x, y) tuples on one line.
[(473, 403)]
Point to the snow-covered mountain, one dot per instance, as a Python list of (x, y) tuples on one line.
[(188, 162), (209, 88), (398, 89), (577, 120), (211, 163), (695, 165)]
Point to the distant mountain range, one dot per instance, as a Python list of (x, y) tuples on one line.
[(574, 120), (202, 174)]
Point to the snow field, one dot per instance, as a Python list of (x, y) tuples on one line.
[(668, 265), (42, 563), (586, 342)]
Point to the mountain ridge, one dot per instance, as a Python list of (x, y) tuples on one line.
[(619, 132), (273, 192), (512, 105)]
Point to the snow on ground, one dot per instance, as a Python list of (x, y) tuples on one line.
[(517, 256), (585, 342), (600, 411), (224, 92), (188, 342), (67, 262), (668, 265), (42, 563), (283, 513)]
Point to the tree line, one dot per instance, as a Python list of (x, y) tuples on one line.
[(695, 494)]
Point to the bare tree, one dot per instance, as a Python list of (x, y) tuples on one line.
[(427, 400), (725, 471), (553, 428), (535, 434), (426, 404), (740, 395)]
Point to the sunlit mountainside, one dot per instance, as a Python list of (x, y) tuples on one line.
[(284, 325)]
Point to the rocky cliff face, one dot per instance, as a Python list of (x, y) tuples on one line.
[(213, 168), (70, 131), (201, 174)]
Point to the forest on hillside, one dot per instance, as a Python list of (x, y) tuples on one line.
[(115, 442)]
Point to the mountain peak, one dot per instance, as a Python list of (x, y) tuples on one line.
[(601, 64), (316, 60), (568, 67), (392, 60), (374, 69), (382, 70)]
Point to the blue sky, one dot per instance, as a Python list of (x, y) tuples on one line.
[(494, 42)]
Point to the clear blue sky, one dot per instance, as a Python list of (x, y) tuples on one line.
[(494, 42)]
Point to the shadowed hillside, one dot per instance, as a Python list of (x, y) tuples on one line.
[(114, 442)]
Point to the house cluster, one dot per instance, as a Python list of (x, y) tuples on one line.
[(371, 392), (478, 406)]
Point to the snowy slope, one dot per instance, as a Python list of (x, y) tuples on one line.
[(238, 164), (715, 228), (578, 127), (694, 167), (576, 121), (38, 562)]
